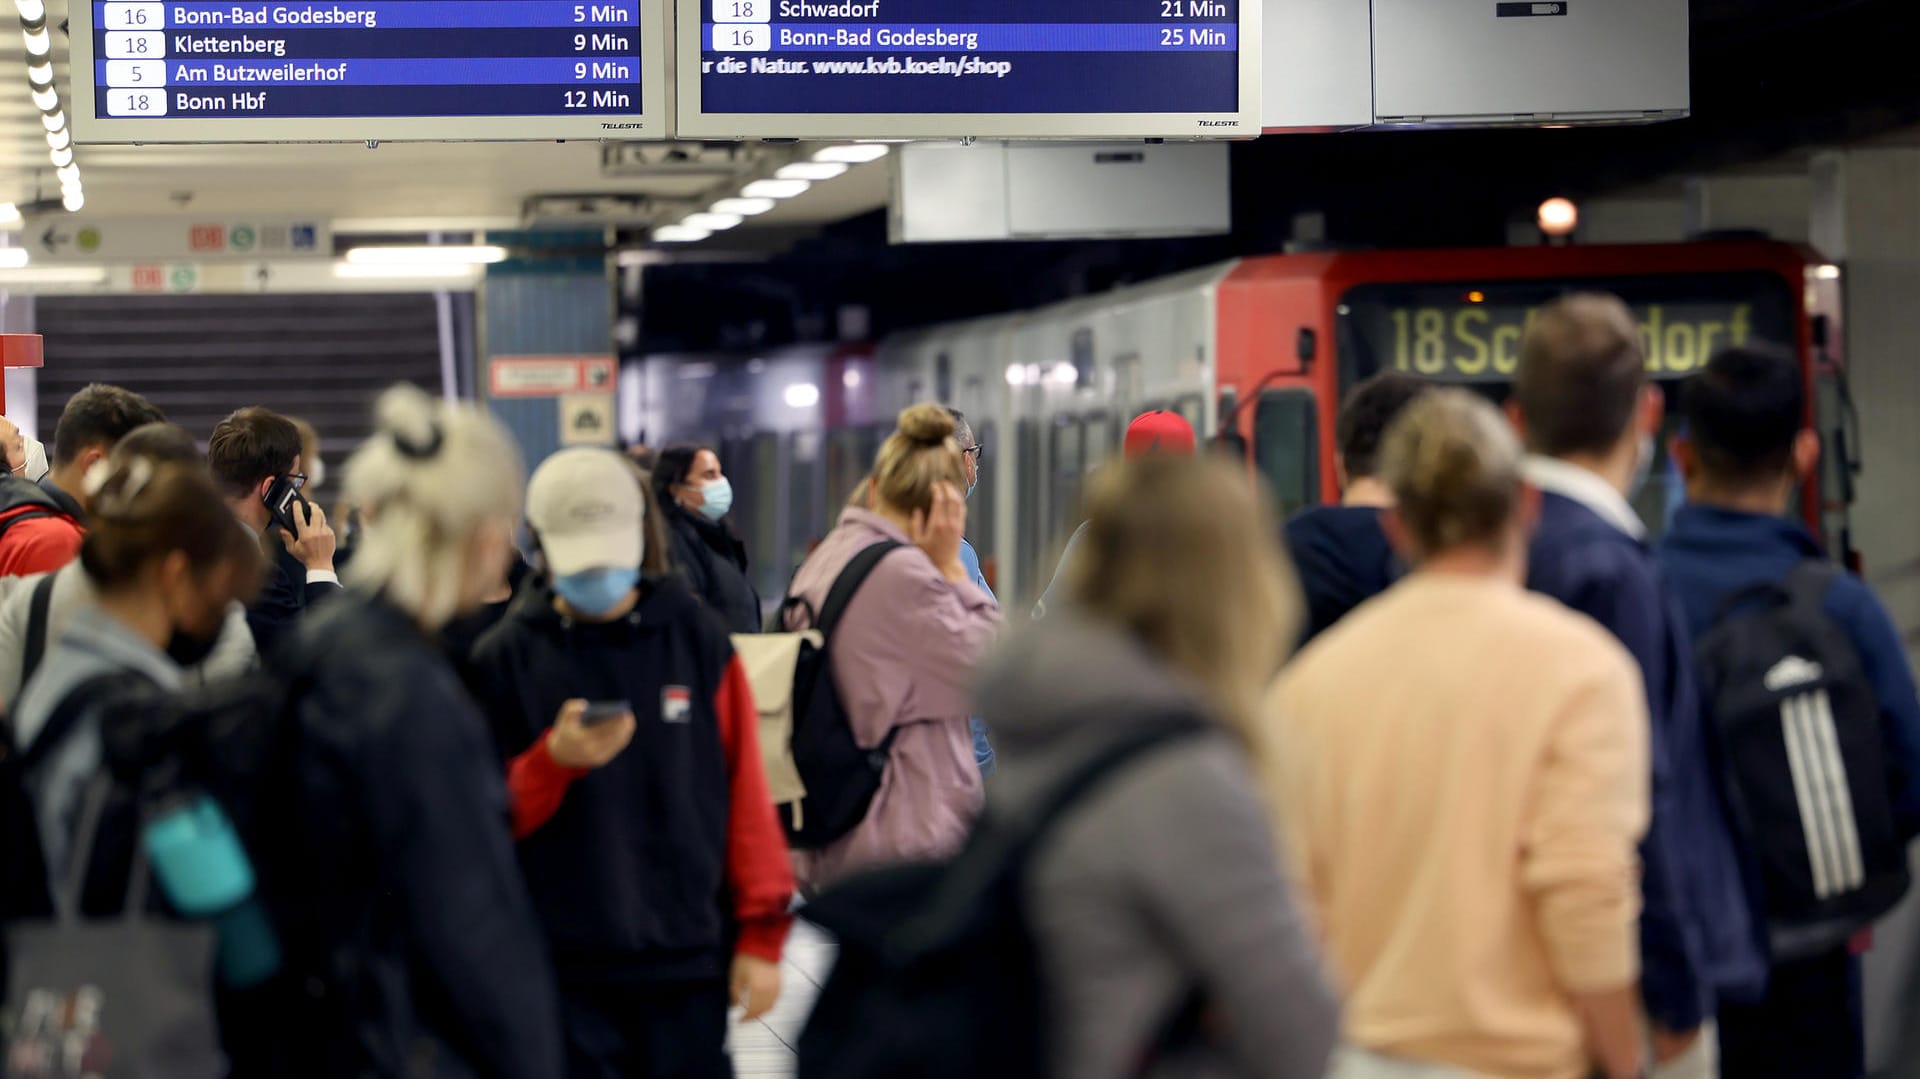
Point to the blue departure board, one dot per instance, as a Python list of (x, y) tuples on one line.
[(352, 70), (956, 68)]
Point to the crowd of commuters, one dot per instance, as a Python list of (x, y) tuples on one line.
[(1458, 790)]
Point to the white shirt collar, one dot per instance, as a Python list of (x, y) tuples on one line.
[(1555, 476)]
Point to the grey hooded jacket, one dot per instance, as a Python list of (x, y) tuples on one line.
[(1162, 883)]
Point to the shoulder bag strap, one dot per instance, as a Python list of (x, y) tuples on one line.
[(37, 614), (849, 582)]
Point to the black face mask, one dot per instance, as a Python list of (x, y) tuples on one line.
[(190, 651)]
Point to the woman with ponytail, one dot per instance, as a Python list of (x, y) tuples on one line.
[(904, 652), (411, 946)]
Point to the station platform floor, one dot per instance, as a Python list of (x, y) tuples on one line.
[(763, 1049)]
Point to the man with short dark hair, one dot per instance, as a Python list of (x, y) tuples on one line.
[(1341, 552), (1583, 403), (255, 455), (41, 525), (1747, 446)]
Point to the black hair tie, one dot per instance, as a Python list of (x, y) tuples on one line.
[(420, 451)]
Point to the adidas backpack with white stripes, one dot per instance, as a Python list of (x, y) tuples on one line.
[(1808, 776)]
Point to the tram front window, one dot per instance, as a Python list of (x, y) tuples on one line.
[(1469, 334)]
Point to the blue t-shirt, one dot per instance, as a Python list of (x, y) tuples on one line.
[(982, 748)]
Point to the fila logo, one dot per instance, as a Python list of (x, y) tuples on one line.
[(1792, 671), (676, 704)]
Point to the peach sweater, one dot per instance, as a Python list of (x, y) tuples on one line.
[(1461, 771)]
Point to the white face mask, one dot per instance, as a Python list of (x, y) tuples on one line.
[(36, 467)]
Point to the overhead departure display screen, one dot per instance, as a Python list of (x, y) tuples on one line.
[(352, 70), (958, 68)]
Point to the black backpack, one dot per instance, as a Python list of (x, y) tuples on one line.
[(1809, 777), (840, 775), (937, 976), (22, 864)]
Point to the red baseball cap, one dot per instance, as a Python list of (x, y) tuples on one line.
[(1160, 432)]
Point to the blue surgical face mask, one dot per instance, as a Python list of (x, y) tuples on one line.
[(594, 592), (719, 499)]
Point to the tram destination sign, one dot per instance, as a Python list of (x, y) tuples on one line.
[(961, 68), (183, 71)]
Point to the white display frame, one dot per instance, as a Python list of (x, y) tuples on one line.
[(651, 123), (692, 123)]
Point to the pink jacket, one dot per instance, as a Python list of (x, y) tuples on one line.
[(903, 656)]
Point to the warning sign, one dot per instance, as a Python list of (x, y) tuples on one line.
[(586, 419), (549, 376)]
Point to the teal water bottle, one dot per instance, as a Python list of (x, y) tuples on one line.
[(204, 870)]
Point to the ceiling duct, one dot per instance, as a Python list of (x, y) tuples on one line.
[(720, 160), (573, 211)]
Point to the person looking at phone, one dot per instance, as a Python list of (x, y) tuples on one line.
[(255, 458), (630, 738)]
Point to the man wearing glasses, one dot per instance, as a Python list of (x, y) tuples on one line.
[(970, 454), (255, 458)]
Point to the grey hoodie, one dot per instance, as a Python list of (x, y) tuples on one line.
[(1165, 880)]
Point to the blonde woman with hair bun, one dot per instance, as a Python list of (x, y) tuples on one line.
[(1461, 773), (904, 652), (412, 946)]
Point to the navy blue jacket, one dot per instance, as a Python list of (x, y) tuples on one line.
[(1700, 928), (1711, 553), (1343, 558)]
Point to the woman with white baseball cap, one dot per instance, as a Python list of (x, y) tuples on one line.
[(644, 823)]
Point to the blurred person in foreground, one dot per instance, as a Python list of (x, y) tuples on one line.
[(73, 590), (633, 763), (1341, 552), (903, 654), (1163, 885), (1465, 829), (1150, 433), (380, 835)]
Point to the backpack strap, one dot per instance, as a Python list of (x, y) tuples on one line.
[(849, 582), (36, 643), (80, 702), (1003, 847)]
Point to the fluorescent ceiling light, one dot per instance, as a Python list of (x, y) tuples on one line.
[(775, 189), (73, 200), (53, 121), (854, 154), (59, 140), (54, 275), (62, 158), (69, 174), (743, 207), (40, 74), (711, 223), (811, 170), (45, 97), (31, 10), (12, 258), (39, 42), (802, 395), (443, 255), (679, 234), (403, 270), (9, 214), (1827, 272)]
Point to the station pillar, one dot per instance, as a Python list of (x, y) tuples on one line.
[(1866, 217), (547, 358)]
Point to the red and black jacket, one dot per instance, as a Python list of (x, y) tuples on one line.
[(39, 533), (668, 860)]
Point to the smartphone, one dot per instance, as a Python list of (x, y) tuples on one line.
[(599, 712), (282, 501)]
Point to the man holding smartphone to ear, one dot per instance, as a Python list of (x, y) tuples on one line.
[(631, 743), (255, 458)]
